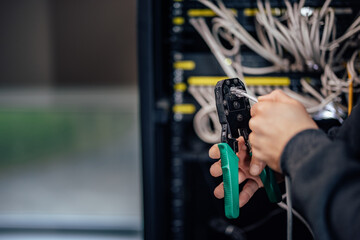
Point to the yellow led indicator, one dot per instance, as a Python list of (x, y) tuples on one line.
[(228, 61), (251, 12), (184, 108), (307, 79), (184, 65), (206, 12), (178, 20), (180, 87), (251, 81)]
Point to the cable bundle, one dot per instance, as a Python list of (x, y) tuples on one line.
[(206, 121), (297, 41)]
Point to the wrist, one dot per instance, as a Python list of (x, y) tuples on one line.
[(299, 145)]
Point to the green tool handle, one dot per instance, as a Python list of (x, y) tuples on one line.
[(230, 169), (271, 187)]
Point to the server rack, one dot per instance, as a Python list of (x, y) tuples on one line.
[(177, 188)]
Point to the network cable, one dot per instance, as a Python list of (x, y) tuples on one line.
[(310, 39)]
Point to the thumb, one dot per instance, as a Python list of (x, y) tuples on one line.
[(276, 96), (256, 166)]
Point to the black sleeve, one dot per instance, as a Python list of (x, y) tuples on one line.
[(325, 181)]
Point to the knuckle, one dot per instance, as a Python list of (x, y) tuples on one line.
[(212, 169), (253, 109), (215, 169), (216, 193), (255, 156), (251, 138), (261, 107), (219, 191), (214, 152), (218, 164), (300, 105), (277, 92), (251, 123)]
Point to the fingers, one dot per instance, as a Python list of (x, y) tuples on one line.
[(245, 195), (242, 176), (256, 166), (261, 109), (241, 144), (219, 190), (247, 192), (276, 96), (242, 153), (214, 152), (215, 169), (253, 110)]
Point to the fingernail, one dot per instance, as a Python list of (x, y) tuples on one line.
[(244, 147), (254, 170)]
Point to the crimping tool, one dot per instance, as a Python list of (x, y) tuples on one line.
[(234, 114)]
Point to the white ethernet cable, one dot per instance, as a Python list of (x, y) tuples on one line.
[(226, 64), (206, 98), (231, 24), (351, 69), (302, 37), (308, 88), (220, 52), (300, 45), (352, 30), (296, 214), (311, 40), (216, 29), (201, 27)]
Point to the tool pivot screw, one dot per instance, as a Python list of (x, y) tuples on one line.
[(239, 117), (236, 105)]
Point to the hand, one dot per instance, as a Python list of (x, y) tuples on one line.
[(276, 118), (253, 183)]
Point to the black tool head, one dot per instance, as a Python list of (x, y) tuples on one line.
[(233, 111)]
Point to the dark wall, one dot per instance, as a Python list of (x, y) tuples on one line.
[(67, 43), (25, 43), (94, 42)]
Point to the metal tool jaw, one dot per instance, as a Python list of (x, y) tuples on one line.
[(233, 111)]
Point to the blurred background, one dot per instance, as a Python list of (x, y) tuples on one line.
[(69, 142)]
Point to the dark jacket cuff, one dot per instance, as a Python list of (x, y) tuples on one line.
[(299, 146)]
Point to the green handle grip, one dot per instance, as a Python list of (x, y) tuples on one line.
[(271, 187), (230, 169), (229, 166)]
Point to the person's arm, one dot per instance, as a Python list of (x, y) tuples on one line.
[(325, 180), (324, 173)]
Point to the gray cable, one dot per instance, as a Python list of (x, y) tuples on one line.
[(289, 210)]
